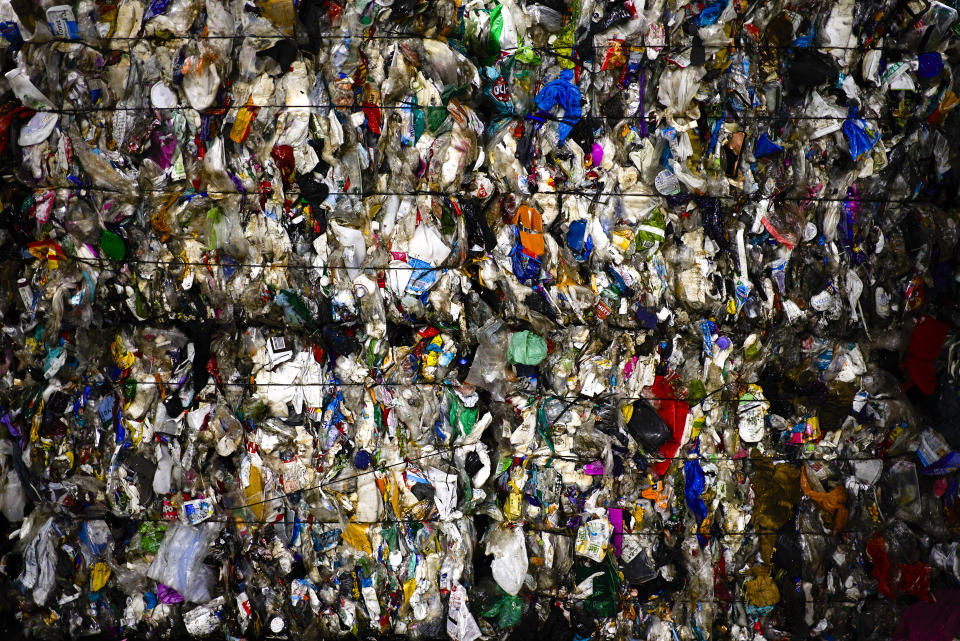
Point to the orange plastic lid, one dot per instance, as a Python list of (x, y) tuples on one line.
[(530, 224)]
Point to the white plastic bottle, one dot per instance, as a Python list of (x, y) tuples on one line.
[(28, 94)]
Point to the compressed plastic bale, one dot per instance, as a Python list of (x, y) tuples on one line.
[(296, 268)]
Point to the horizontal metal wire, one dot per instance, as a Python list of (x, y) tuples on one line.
[(360, 37), (402, 106), (425, 192)]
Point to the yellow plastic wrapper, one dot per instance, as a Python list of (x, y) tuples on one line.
[(99, 575), (356, 537)]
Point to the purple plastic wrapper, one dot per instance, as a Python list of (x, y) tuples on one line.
[(168, 595)]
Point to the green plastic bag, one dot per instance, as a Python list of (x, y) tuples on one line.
[(603, 601), (508, 610), (112, 245), (651, 232), (462, 418), (526, 348), (151, 535)]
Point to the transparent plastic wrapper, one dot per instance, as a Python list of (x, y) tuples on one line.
[(490, 360), (785, 224), (179, 561), (902, 477), (39, 569)]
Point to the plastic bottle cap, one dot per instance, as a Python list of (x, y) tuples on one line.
[(362, 459), (162, 97), (276, 624)]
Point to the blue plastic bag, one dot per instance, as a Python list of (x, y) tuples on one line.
[(580, 243), (860, 137), (765, 147), (694, 484), (563, 93), (711, 13), (525, 267)]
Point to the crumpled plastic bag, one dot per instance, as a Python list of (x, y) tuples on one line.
[(179, 561), (833, 502), (526, 348), (509, 565)]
